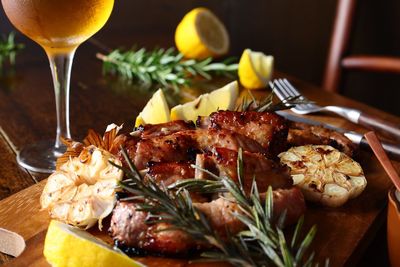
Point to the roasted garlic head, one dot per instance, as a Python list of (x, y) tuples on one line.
[(324, 174), (82, 191)]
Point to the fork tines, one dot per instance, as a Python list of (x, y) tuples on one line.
[(284, 89)]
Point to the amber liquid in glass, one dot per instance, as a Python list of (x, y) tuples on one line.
[(59, 26), (58, 23)]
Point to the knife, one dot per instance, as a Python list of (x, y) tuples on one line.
[(357, 138)]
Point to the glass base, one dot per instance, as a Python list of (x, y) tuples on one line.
[(40, 157)]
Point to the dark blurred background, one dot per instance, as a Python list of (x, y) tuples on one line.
[(297, 33)]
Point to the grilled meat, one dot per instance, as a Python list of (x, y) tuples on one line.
[(303, 134), (128, 226), (168, 149), (163, 129), (126, 141), (268, 129), (165, 174), (289, 200), (170, 172), (223, 162), (183, 146), (220, 211)]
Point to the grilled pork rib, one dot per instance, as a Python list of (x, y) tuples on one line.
[(128, 225), (183, 145), (303, 134), (223, 162), (268, 129), (162, 129), (167, 151)]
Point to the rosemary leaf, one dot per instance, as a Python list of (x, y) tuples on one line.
[(267, 104), (163, 67), (297, 231), (8, 50), (263, 243), (306, 243)]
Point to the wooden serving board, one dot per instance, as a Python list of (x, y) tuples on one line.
[(342, 232)]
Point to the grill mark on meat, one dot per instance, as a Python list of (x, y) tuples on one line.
[(163, 129), (165, 174), (180, 146), (268, 129), (132, 231), (128, 227), (167, 151), (265, 171), (304, 134)]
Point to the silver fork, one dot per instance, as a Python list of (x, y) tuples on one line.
[(284, 89)]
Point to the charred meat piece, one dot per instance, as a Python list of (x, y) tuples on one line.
[(220, 211), (290, 200), (223, 162), (168, 173), (304, 134), (184, 145), (129, 228), (207, 139), (126, 141), (162, 129), (268, 129), (177, 147)]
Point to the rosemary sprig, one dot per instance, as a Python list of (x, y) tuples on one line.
[(176, 208), (267, 104), (164, 67), (8, 49), (263, 244)]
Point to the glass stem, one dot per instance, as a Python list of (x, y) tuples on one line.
[(60, 64)]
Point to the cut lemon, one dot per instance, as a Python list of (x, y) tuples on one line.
[(255, 69), (155, 111), (220, 99), (201, 34), (66, 246)]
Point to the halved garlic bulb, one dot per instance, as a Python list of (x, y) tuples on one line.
[(324, 174), (82, 191)]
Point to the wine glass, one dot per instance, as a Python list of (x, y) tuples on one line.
[(59, 26)]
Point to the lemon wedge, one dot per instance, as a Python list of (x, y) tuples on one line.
[(220, 99), (155, 111), (201, 34), (255, 69), (66, 246)]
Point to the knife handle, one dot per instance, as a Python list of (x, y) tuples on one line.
[(384, 127), (392, 150)]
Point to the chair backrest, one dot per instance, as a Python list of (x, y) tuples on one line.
[(338, 57)]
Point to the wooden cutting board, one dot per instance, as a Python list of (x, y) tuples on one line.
[(342, 232)]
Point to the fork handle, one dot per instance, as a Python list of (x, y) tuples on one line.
[(386, 128)]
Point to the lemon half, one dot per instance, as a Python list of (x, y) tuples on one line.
[(201, 34), (220, 99), (67, 246), (255, 69), (155, 111)]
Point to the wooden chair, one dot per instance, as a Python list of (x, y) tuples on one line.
[(338, 58)]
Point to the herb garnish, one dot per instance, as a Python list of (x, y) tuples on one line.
[(8, 49), (164, 67), (263, 244), (250, 103)]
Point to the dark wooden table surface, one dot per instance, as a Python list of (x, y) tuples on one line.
[(27, 111)]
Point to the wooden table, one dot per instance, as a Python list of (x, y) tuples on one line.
[(27, 114)]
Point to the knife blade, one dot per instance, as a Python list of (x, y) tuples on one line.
[(357, 138)]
